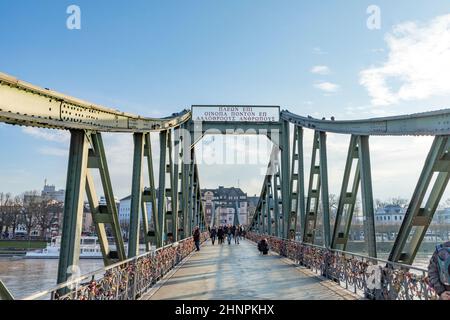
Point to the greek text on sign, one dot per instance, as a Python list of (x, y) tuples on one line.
[(236, 113)]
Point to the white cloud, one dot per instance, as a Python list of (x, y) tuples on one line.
[(327, 86), (47, 134), (319, 51), (418, 62), (320, 70)]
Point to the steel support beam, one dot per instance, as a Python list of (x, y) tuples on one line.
[(324, 185), (163, 135), (136, 195), (347, 200), (149, 195), (312, 203), (73, 205), (421, 211), (285, 187), (367, 196), (176, 194), (109, 214), (297, 202)]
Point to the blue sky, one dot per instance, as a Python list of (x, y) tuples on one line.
[(158, 57)]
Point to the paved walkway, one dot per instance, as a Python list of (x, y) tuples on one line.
[(238, 272)]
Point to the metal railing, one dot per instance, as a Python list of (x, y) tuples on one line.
[(126, 280), (370, 278)]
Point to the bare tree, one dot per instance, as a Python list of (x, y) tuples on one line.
[(48, 215), (5, 203), (30, 210)]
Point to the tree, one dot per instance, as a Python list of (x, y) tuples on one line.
[(48, 215), (5, 203), (30, 211)]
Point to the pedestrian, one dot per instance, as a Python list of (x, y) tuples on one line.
[(439, 271), (237, 234), (263, 246), (229, 234), (212, 234), (220, 235), (196, 235)]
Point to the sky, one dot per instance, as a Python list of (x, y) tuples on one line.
[(154, 58)]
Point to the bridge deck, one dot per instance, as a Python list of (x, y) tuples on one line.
[(238, 272)]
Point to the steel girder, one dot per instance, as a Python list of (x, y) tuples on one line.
[(359, 151), (87, 151), (5, 294), (22, 103), (108, 213), (140, 197), (421, 210), (136, 195), (149, 195), (320, 174), (297, 202)]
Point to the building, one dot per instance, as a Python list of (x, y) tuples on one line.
[(50, 193), (251, 208), (390, 214), (125, 209), (223, 204), (442, 216)]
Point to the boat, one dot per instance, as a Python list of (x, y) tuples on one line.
[(89, 249)]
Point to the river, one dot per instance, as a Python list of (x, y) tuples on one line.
[(24, 277)]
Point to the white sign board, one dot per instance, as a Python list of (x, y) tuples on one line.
[(236, 113)]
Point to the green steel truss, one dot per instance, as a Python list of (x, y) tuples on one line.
[(297, 203), (87, 152), (317, 192), (435, 175), (358, 151)]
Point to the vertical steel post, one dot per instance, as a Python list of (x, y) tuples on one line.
[(269, 200), (309, 227), (97, 143), (136, 195), (325, 194), (151, 175), (367, 196), (285, 188), (73, 204), (347, 200), (175, 185), (420, 210), (162, 184)]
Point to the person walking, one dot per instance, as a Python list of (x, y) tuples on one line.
[(237, 234), (196, 235), (439, 271), (220, 235), (229, 234), (213, 234)]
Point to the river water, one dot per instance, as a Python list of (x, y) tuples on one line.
[(24, 277)]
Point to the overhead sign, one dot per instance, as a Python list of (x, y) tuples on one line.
[(236, 113)]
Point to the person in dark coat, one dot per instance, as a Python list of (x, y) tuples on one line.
[(439, 271), (213, 234), (229, 233), (263, 246), (220, 235), (196, 236)]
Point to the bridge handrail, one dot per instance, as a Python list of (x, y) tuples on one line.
[(22, 103), (356, 272), (431, 123), (103, 271)]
